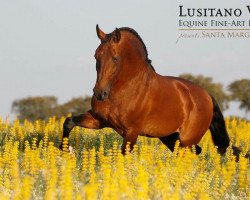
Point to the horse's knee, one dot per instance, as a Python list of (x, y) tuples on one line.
[(68, 124)]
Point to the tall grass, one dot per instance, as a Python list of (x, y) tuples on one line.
[(32, 166)]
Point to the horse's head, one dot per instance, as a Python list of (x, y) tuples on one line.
[(107, 62), (121, 50)]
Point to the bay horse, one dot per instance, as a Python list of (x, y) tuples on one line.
[(131, 98)]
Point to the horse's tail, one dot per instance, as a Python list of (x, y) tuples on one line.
[(219, 132), (218, 129)]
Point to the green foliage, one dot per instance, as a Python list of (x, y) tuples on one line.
[(43, 107), (75, 106), (33, 108), (215, 89), (240, 91)]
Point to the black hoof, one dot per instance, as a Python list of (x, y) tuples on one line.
[(198, 149)]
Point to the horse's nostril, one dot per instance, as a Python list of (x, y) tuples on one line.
[(101, 94), (104, 95)]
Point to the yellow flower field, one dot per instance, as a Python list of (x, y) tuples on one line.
[(32, 167)]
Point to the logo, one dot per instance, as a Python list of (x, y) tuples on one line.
[(213, 23)]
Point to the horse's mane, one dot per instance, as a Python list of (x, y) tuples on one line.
[(139, 38)]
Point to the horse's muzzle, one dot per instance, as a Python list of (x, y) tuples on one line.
[(101, 95)]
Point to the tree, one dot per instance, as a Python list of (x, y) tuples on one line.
[(43, 107), (215, 89), (75, 106), (240, 91), (33, 108)]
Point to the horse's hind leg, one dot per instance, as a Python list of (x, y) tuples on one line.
[(170, 140), (198, 149)]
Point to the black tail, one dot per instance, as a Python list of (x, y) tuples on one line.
[(218, 129), (219, 132)]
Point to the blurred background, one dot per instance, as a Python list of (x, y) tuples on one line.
[(47, 64)]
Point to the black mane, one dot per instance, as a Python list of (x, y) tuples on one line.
[(139, 38)]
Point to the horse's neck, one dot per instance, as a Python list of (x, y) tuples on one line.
[(135, 69), (139, 72)]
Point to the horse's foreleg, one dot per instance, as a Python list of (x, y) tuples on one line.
[(86, 120), (129, 138)]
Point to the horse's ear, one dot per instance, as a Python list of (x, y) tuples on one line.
[(101, 35), (117, 35)]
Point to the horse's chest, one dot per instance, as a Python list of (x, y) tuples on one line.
[(114, 117), (114, 121)]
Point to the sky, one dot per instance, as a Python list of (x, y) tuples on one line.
[(47, 47)]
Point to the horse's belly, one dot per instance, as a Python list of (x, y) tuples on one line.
[(165, 119), (162, 127)]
